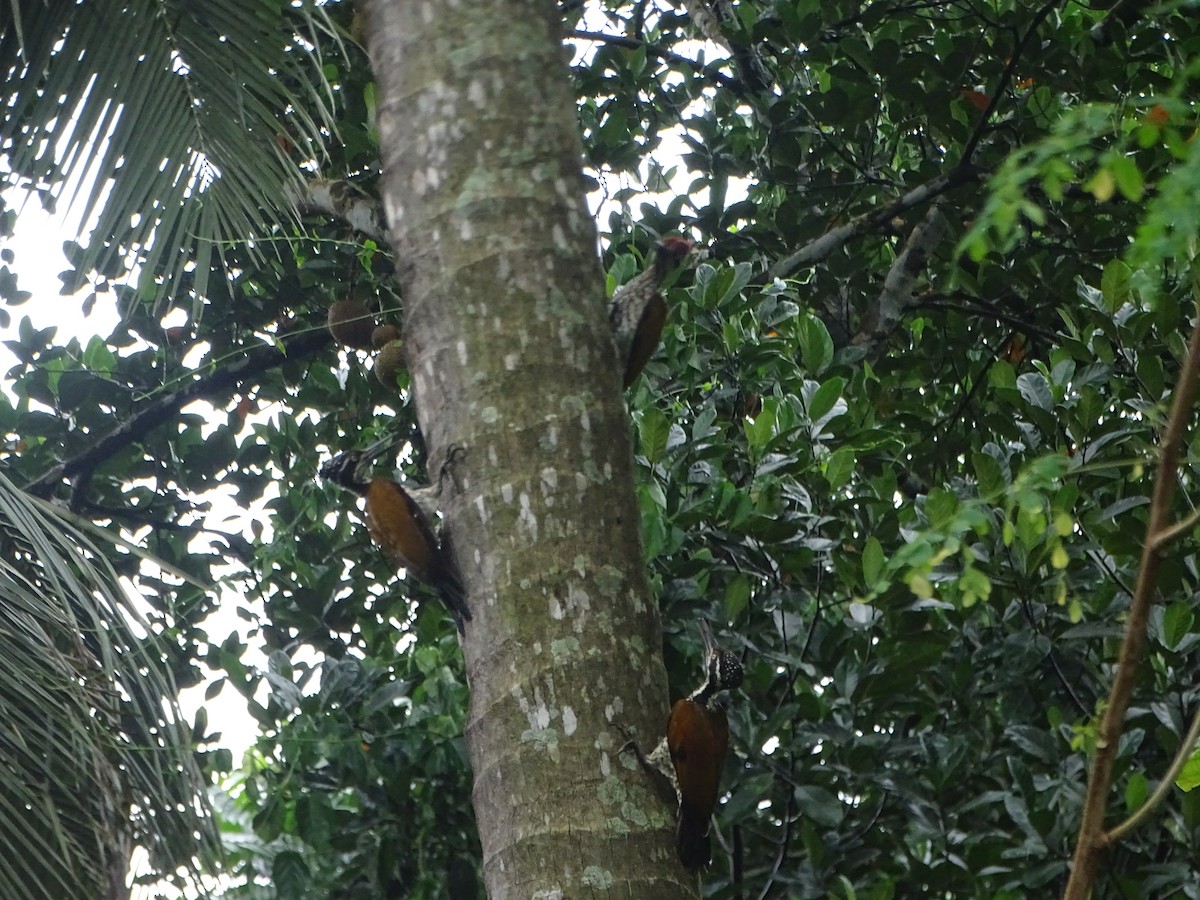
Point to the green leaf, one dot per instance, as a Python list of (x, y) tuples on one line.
[(730, 282), (1177, 623), (1116, 284), (1128, 178), (290, 875), (1136, 792), (820, 805), (737, 597), (1002, 375), (840, 467), (872, 562), (974, 586), (653, 430), (1189, 776), (989, 476), (1150, 374), (825, 397), (99, 357), (1036, 390), (940, 507), (761, 429), (816, 346)]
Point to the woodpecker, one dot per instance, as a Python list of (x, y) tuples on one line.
[(696, 743), (401, 528), (638, 312)]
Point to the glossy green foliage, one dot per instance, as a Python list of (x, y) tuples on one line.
[(926, 541), (923, 537)]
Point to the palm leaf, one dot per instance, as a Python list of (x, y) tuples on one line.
[(169, 108), (94, 754)]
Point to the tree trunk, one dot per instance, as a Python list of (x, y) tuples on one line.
[(518, 395)]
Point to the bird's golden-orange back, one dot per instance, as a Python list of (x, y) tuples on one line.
[(698, 738), (399, 527)]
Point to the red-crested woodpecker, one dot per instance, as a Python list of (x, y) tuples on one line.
[(638, 312), (402, 529), (688, 761)]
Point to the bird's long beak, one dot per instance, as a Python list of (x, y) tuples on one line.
[(380, 447), (706, 635)]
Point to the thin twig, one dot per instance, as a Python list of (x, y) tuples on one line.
[(1164, 787), (1171, 532), (1091, 841), (970, 306), (786, 839), (1051, 655)]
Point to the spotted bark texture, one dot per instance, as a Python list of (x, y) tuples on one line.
[(514, 370)]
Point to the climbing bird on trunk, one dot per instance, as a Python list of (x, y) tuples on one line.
[(638, 312), (696, 744), (401, 528)]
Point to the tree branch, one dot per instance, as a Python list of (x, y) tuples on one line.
[(817, 250), (897, 295), (964, 173), (1182, 527), (1164, 787), (257, 360), (1092, 840), (341, 200), (973, 306), (709, 15)]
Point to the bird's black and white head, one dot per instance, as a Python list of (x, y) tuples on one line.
[(723, 670), (344, 470), (347, 469)]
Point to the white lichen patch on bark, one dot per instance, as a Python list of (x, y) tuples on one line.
[(564, 650), (594, 876), (549, 482), (542, 739), (610, 581), (527, 519), (393, 209), (579, 604), (477, 94), (569, 721), (614, 709)]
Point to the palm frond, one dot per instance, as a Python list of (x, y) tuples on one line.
[(167, 107), (94, 754)]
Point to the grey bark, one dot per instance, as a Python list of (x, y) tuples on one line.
[(514, 369)]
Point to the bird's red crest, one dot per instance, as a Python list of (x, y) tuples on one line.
[(678, 247)]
